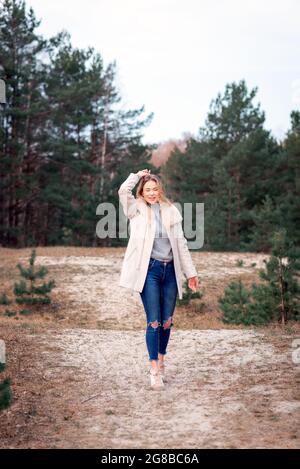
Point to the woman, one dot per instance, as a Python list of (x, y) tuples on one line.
[(155, 260)]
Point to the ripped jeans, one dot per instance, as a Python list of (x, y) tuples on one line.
[(159, 299)]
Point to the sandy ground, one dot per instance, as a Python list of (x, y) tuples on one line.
[(80, 376)]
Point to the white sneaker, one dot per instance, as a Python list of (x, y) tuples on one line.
[(156, 379)]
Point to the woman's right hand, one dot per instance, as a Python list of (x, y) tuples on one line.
[(143, 172)]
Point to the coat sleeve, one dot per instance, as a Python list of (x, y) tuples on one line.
[(126, 197), (185, 257)]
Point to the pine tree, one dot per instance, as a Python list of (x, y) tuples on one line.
[(5, 393), (229, 168), (265, 219), (65, 134), (232, 117), (5, 390), (32, 294), (277, 297), (4, 300), (187, 295), (288, 180), (281, 274), (234, 303), (21, 49)]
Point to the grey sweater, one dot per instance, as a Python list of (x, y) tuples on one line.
[(161, 248)]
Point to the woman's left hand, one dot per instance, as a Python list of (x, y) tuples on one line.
[(193, 283)]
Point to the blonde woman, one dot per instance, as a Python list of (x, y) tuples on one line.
[(155, 260)]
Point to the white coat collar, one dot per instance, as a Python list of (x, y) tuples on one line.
[(169, 213)]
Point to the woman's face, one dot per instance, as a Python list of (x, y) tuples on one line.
[(151, 192)]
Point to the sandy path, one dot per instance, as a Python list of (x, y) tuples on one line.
[(224, 388)]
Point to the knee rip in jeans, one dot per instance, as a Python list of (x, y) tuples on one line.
[(154, 324), (167, 324)]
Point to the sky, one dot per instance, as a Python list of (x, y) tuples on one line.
[(175, 56)]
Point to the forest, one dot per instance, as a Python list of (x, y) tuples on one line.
[(67, 143)]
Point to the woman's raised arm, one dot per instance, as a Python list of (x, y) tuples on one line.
[(126, 197)]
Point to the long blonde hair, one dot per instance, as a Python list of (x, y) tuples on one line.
[(152, 177)]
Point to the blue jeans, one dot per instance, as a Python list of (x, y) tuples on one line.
[(159, 299)]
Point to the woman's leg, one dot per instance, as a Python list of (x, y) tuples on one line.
[(150, 296), (169, 293)]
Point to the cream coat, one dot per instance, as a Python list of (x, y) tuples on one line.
[(142, 233)]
